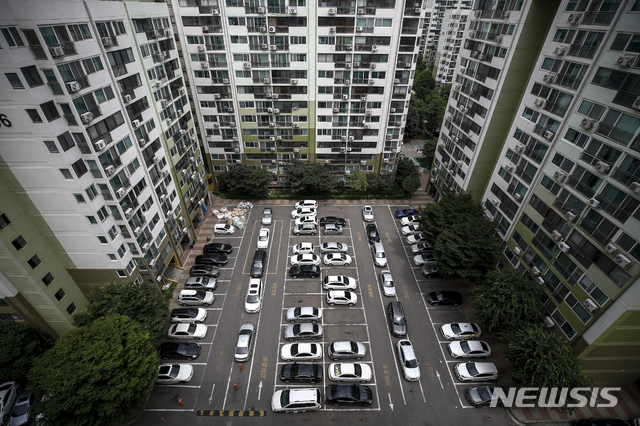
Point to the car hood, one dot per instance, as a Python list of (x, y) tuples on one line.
[(412, 373)]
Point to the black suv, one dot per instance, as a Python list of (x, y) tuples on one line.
[(204, 271), (332, 219), (307, 271), (259, 263), (217, 248), (372, 233), (212, 259), (181, 350), (303, 373)]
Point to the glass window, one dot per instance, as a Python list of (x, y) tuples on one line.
[(60, 294), (32, 76), (33, 114), (14, 80)]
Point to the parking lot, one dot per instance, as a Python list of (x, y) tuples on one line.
[(436, 398)]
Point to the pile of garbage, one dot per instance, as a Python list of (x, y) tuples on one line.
[(237, 217), (245, 205)]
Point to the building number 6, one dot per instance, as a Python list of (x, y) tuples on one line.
[(4, 121)]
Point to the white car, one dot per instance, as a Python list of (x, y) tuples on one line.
[(175, 373), (476, 371), (408, 361), (301, 352), (410, 230), (339, 259), (338, 282), (306, 219), (296, 400), (305, 259), (367, 214), (350, 372), (341, 297), (469, 349), (388, 286), (409, 220), (416, 238), (303, 211), (307, 203), (304, 314), (303, 248), (460, 331), (267, 216), (333, 247), (263, 238), (223, 228), (187, 331), (422, 259), (254, 296)]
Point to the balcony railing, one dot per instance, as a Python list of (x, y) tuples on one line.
[(598, 18)]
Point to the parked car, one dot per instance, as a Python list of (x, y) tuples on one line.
[(307, 203), (245, 342), (350, 372), (332, 219), (187, 331), (346, 349), (338, 282), (429, 270), (297, 400), (444, 298), (304, 314), (212, 259), (263, 238), (209, 271), (267, 216), (305, 229), (421, 248), (306, 219), (301, 352), (301, 373), (224, 229), (409, 220), (476, 371), (182, 350), (253, 301), (372, 233), (196, 297), (341, 297), (367, 214), (305, 271), (397, 320), (388, 285), (259, 263), (303, 248), (303, 211), (339, 259), (379, 255), (201, 283), (21, 408), (422, 259), (349, 395), (303, 331), (8, 393), (460, 331), (399, 214), (175, 373), (480, 396), (332, 229), (416, 238), (196, 315), (410, 230), (469, 349), (305, 259), (408, 361), (333, 247), (217, 248)]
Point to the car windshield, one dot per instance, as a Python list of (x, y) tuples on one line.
[(354, 345), (380, 254), (175, 369), (455, 328), (192, 328), (294, 349), (263, 237), (439, 295), (296, 329), (284, 398), (471, 368), (411, 363), (357, 369), (465, 346), (484, 393), (241, 350), (252, 298), (399, 321)]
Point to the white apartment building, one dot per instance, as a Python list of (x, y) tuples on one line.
[(437, 27), (454, 24)]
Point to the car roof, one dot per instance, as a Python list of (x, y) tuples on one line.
[(407, 349)]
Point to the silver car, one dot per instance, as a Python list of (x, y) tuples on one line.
[(305, 229), (304, 314), (333, 247), (267, 216), (346, 349), (469, 349), (367, 214), (245, 342), (201, 283), (408, 361), (476, 371), (388, 286), (304, 331)]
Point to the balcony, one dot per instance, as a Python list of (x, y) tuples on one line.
[(218, 64), (598, 18), (68, 49), (214, 46), (119, 69), (260, 64)]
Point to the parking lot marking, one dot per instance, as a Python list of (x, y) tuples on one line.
[(180, 386), (231, 413), (279, 246)]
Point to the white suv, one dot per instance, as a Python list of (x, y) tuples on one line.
[(196, 297), (254, 296), (296, 400)]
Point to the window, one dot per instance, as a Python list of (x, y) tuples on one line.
[(60, 294), (34, 261), (14, 80), (80, 168), (71, 308), (121, 274), (19, 243), (92, 220), (79, 198), (628, 171), (12, 36), (102, 240), (4, 221), (66, 141), (112, 257), (50, 111), (67, 174), (80, 32), (618, 126), (32, 76), (47, 279), (103, 214), (33, 114)]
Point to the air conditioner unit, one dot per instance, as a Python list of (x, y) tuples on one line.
[(201, 48), (416, 10), (602, 167), (272, 138), (293, 10), (142, 142), (559, 177), (332, 29), (266, 80), (272, 149), (204, 64), (548, 322), (57, 51), (590, 305), (296, 150), (270, 110), (570, 216), (499, 39), (73, 86), (625, 61), (164, 103), (549, 78), (574, 18), (332, 11), (635, 187), (109, 170), (239, 161), (385, 161), (347, 81), (120, 192), (205, 30), (272, 29), (185, 230), (348, 172), (556, 235), (351, 138), (593, 202), (539, 102), (519, 148), (276, 110), (371, 81), (246, 65), (611, 248), (137, 231), (363, 97), (366, 126), (100, 145), (296, 124), (263, 29), (217, 96), (273, 47), (272, 124), (87, 117), (535, 271), (275, 96), (355, 64), (160, 56), (216, 125), (510, 167), (564, 247), (623, 261), (294, 81), (261, 10), (489, 216), (560, 50), (359, 29), (360, 11), (269, 95), (548, 135), (517, 251), (373, 66), (517, 196)]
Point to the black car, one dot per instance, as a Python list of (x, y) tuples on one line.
[(429, 270), (372, 233), (332, 219), (304, 373), (349, 395), (601, 422), (480, 396), (210, 271), (182, 350), (212, 259), (307, 271), (217, 248), (444, 298)]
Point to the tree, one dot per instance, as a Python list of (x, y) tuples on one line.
[(542, 359), (406, 167), (453, 209), (296, 171), (230, 180), (385, 183), (429, 151), (420, 66), (95, 375), (416, 115), (318, 180), (255, 180), (358, 181), (423, 84), (507, 298), (434, 112), (411, 183), (142, 303), (20, 344)]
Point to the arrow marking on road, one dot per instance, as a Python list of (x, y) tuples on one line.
[(211, 396), (390, 403), (259, 390), (439, 379)]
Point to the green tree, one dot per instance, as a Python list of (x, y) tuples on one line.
[(358, 181), (96, 375), (318, 180), (385, 184), (507, 298), (411, 183), (429, 151), (231, 179), (255, 180), (416, 115), (453, 209), (406, 167), (20, 344), (420, 65), (434, 112), (142, 303), (296, 171), (423, 84), (542, 359)]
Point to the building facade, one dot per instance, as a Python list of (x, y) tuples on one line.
[(450, 42), (102, 179)]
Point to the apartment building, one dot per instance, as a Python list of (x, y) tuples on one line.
[(313, 81), (560, 176), (454, 24), (101, 176), (436, 26)]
